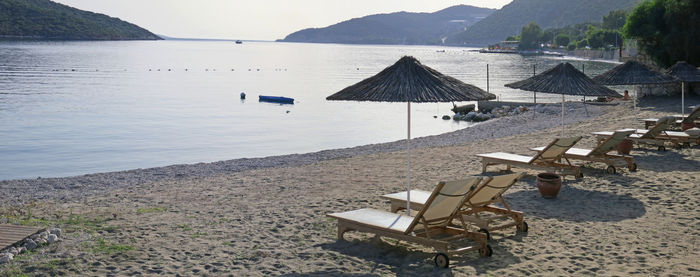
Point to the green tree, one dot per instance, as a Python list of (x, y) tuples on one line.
[(602, 38), (614, 20), (668, 30), (582, 43), (530, 36), (562, 39)]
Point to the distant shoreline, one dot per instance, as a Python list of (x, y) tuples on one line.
[(42, 38)]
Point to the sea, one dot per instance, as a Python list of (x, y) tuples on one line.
[(80, 107)]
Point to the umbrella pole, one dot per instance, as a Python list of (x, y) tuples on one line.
[(534, 108), (534, 94), (408, 166), (634, 104), (562, 115), (682, 100)]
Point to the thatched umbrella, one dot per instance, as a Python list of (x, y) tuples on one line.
[(565, 79), (410, 81), (633, 73), (686, 73)]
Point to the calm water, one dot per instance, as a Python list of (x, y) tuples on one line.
[(70, 108)]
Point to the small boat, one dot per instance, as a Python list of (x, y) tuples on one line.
[(239, 42), (276, 99)]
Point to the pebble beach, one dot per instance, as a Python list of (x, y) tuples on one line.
[(267, 216)]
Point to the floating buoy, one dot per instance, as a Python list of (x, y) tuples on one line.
[(242, 95)]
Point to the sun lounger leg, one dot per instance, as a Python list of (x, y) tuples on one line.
[(341, 230)]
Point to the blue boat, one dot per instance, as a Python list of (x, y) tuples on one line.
[(276, 99)]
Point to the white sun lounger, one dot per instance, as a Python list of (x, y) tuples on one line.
[(656, 136), (679, 119), (601, 152), (548, 159), (477, 209), (431, 226)]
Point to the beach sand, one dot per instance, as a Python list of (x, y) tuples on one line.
[(270, 218)]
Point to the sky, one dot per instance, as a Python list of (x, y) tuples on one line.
[(253, 19)]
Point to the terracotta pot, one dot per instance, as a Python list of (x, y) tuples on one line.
[(625, 147), (548, 184)]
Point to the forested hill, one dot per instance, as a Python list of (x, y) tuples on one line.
[(395, 28), (510, 19), (43, 19)]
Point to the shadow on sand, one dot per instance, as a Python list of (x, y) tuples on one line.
[(404, 262), (578, 205), (673, 159)]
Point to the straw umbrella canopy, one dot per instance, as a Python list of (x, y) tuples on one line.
[(410, 81), (633, 73), (563, 79), (686, 73)]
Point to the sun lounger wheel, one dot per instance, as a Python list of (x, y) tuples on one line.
[(441, 260), (662, 148), (523, 227), (486, 252), (633, 167), (488, 235), (610, 169), (579, 175)]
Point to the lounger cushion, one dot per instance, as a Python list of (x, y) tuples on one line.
[(417, 196), (693, 132), (377, 218), (507, 157), (571, 151), (675, 134)]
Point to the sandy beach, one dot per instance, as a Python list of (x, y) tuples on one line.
[(267, 216)]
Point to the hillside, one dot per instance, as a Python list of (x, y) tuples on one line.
[(395, 28), (510, 19), (43, 19)]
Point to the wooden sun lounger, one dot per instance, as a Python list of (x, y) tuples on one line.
[(431, 226), (656, 136), (548, 159), (601, 152), (478, 203), (679, 119)]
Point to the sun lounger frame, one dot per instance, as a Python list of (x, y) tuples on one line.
[(656, 136), (538, 162), (469, 213), (431, 234), (600, 153), (679, 119)]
